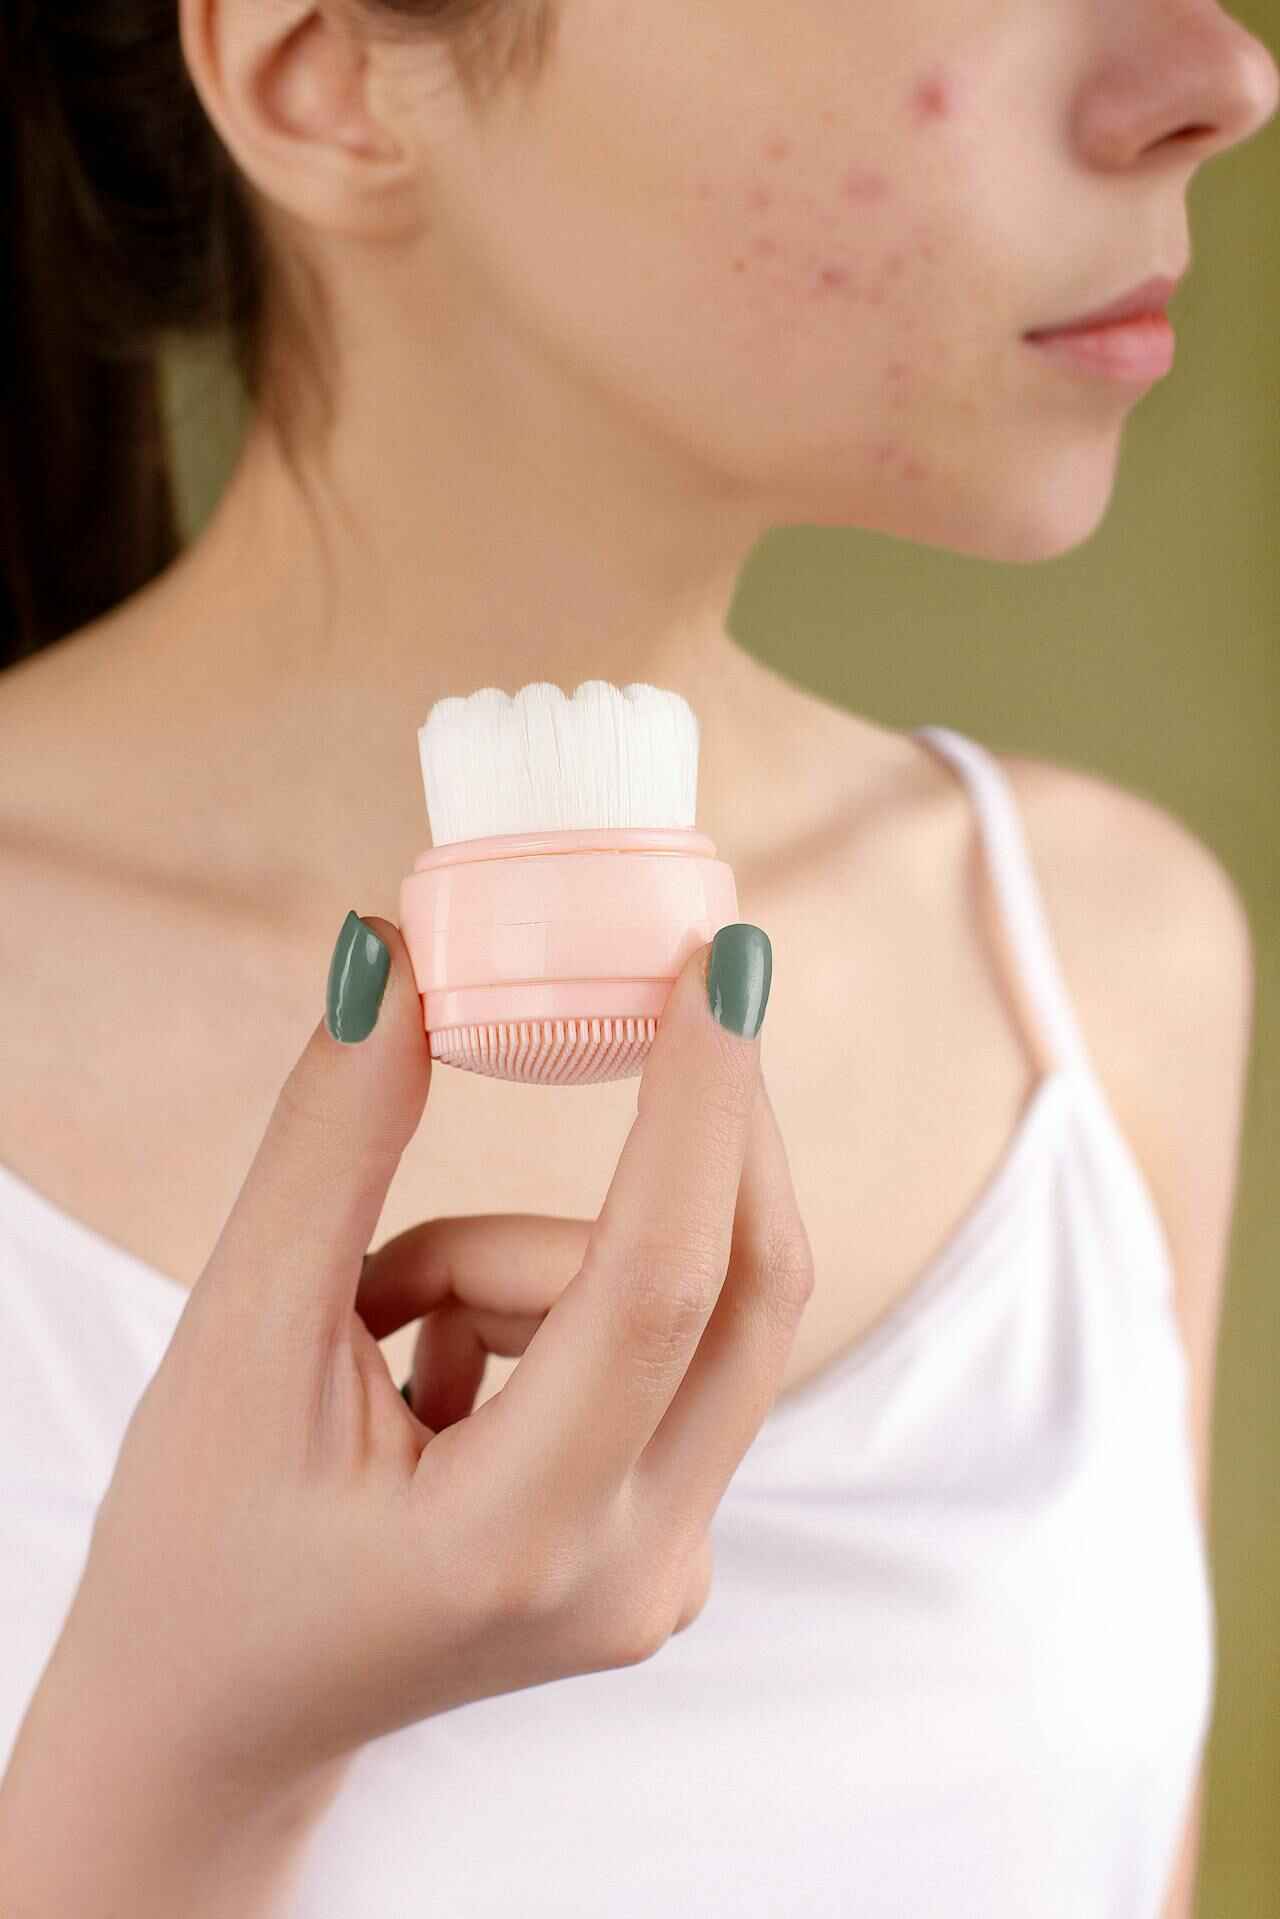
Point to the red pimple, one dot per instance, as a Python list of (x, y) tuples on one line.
[(865, 188), (834, 276), (759, 199), (777, 149), (931, 98), (899, 375)]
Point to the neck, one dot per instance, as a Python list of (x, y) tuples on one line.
[(287, 688)]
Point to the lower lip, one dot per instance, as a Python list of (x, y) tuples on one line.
[(1139, 350)]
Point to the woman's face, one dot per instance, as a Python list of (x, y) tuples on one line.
[(803, 242)]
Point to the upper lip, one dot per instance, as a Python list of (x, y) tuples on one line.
[(1153, 296)]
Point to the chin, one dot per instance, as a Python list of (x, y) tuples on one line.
[(1025, 530), (1060, 505), (1051, 538), (1053, 510), (1033, 545)]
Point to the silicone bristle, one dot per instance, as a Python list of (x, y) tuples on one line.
[(550, 1052), (539, 761)]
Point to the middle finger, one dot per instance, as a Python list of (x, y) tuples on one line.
[(734, 1377)]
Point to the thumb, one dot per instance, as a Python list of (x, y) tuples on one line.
[(294, 1242)]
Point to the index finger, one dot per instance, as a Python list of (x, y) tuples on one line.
[(607, 1361)]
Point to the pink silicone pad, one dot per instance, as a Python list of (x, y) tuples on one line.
[(548, 957)]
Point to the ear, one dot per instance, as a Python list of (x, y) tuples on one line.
[(287, 86)]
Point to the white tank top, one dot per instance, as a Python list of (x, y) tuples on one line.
[(959, 1652)]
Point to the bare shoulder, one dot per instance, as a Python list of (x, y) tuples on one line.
[(1156, 946), (1126, 879)]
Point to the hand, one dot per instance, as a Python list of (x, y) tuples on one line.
[(289, 1562)]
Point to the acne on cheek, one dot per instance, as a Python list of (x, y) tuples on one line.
[(859, 189), (932, 97), (868, 191)]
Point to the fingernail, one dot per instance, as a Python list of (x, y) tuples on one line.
[(739, 975), (358, 975)]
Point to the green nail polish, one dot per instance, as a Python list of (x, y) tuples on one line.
[(357, 980), (739, 975)]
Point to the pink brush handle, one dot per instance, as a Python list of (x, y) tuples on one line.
[(560, 925)]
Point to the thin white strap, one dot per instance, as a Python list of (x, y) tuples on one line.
[(1017, 892)]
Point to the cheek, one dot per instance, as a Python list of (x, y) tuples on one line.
[(821, 263)]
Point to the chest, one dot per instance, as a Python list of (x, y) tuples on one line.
[(137, 1086)]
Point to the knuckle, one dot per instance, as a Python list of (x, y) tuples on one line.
[(528, 1601), (628, 1607), (301, 1105), (788, 1265), (670, 1575), (643, 1642), (335, 1131), (653, 1624), (698, 1587), (666, 1293), (724, 1105), (643, 1624), (539, 1583)]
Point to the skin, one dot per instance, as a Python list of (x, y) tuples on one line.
[(728, 267), (723, 268)]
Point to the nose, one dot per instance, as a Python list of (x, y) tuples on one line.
[(1268, 84), (1240, 84), (1197, 88)]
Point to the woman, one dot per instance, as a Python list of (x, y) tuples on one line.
[(547, 313)]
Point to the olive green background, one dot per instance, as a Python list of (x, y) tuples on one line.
[(1152, 656)]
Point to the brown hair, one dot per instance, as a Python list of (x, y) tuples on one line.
[(128, 223)]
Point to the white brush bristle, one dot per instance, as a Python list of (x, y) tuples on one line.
[(539, 761)]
